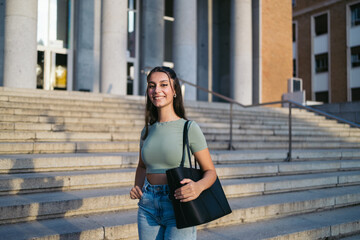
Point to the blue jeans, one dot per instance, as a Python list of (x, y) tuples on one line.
[(156, 219)]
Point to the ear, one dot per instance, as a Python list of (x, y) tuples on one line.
[(172, 84)]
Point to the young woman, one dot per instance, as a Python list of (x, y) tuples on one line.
[(160, 150)]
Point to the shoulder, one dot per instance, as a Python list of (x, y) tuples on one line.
[(196, 137), (193, 125), (194, 128)]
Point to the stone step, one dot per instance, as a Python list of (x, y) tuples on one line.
[(98, 118), (62, 110), (332, 224), (95, 117), (127, 112), (318, 126), (281, 145), (252, 156), (17, 208), (314, 121), (63, 181), (68, 120), (99, 102), (132, 146), (13, 131), (139, 101), (207, 129), (67, 147), (282, 137), (267, 185), (325, 175), (351, 235), (97, 99), (66, 162), (122, 224), (226, 171), (63, 95), (18, 107), (298, 126), (87, 161), (240, 136)]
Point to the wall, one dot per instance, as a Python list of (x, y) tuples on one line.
[(276, 48), (338, 58), (347, 110)]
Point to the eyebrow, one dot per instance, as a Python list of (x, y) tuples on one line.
[(160, 81)]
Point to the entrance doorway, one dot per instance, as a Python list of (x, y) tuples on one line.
[(54, 38)]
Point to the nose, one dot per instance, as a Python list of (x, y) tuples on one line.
[(157, 88)]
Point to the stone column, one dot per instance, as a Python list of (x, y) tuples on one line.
[(20, 47), (2, 34), (114, 47), (185, 44), (87, 58), (84, 58), (241, 51), (151, 37), (202, 49)]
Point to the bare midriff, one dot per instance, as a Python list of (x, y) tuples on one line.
[(157, 178)]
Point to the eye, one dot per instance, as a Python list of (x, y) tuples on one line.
[(151, 86), (164, 85)]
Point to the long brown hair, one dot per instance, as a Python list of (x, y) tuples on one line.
[(151, 113)]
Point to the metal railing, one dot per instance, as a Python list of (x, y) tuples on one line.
[(289, 102)]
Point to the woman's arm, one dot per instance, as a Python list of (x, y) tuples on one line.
[(135, 192), (193, 189)]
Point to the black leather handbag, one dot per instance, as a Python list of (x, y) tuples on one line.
[(210, 205)]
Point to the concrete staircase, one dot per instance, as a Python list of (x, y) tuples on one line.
[(67, 162)]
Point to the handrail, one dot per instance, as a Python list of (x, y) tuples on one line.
[(290, 102)]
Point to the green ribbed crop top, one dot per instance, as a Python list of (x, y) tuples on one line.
[(162, 148)]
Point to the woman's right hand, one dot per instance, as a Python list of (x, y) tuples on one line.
[(135, 192)]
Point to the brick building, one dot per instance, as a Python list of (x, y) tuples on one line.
[(326, 49)]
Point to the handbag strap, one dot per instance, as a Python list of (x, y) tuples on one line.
[(186, 144)]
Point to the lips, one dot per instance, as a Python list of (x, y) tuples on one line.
[(158, 97)]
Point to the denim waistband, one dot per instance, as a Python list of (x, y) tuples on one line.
[(156, 189)]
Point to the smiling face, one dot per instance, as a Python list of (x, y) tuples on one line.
[(160, 90)]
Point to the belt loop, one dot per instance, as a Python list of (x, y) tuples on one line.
[(146, 184)]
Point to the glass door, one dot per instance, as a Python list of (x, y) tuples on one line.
[(132, 48), (54, 44)]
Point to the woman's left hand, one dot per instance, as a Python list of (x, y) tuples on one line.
[(190, 191)]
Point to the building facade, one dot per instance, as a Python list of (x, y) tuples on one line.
[(326, 49), (241, 49)]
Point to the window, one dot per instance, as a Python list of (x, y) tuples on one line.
[(355, 94), (53, 44), (321, 24), (131, 27), (132, 48), (322, 97), (130, 78), (355, 14), (355, 56), (294, 67), (60, 71), (321, 63), (297, 85), (293, 3), (294, 32), (169, 22)]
